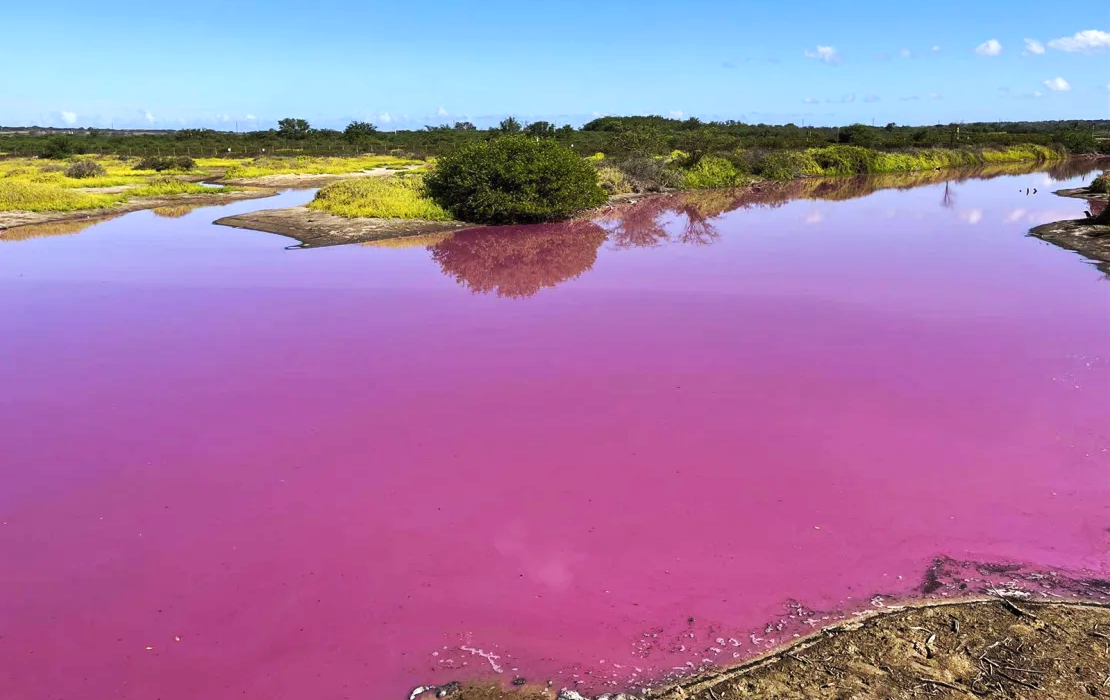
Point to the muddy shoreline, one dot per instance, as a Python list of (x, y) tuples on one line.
[(11, 220), (317, 229), (1000, 646), (1053, 625), (1083, 236)]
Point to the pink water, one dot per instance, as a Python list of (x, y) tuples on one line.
[(230, 470)]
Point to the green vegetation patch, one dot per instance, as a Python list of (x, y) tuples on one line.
[(168, 186), (857, 160), (1101, 183), (713, 173), (514, 179), (23, 195), (393, 197), (307, 165)]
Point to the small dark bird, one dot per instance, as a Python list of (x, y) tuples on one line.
[(1034, 190)]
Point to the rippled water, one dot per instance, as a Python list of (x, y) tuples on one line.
[(600, 452)]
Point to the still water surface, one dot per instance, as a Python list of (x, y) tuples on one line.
[(596, 452)]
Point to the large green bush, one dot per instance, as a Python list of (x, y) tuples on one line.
[(514, 179)]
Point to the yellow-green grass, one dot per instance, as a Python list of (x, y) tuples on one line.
[(168, 186), (308, 165), (379, 197), (42, 186), (116, 172), (22, 195), (854, 160)]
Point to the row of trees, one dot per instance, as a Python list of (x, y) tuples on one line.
[(651, 135)]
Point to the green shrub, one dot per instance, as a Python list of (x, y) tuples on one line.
[(786, 165), (647, 174), (845, 160), (712, 173), (160, 163), (84, 169), (1101, 183), (1079, 141), (613, 181), (393, 197), (57, 147), (514, 179)]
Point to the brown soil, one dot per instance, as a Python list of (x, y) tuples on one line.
[(13, 219), (316, 229), (996, 648), (1084, 236)]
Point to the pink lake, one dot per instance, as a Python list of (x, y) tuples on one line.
[(597, 454)]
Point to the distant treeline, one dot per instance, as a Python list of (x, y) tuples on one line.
[(614, 136)]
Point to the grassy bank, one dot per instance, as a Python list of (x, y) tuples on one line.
[(405, 197), (35, 185), (380, 198), (306, 165), (683, 170)]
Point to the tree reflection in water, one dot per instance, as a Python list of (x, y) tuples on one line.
[(646, 223), (519, 261)]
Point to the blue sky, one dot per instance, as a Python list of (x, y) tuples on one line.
[(407, 64)]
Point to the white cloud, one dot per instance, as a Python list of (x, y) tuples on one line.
[(676, 114), (1032, 46), (814, 217), (871, 98), (1015, 215), (149, 116), (936, 96), (824, 53), (385, 118), (905, 53), (848, 98), (250, 117), (990, 47), (442, 112), (1086, 41), (1058, 84), (935, 49), (811, 101), (972, 216), (69, 117), (910, 98)]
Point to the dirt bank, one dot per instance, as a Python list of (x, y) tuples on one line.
[(13, 219), (1084, 236), (992, 648), (317, 229)]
